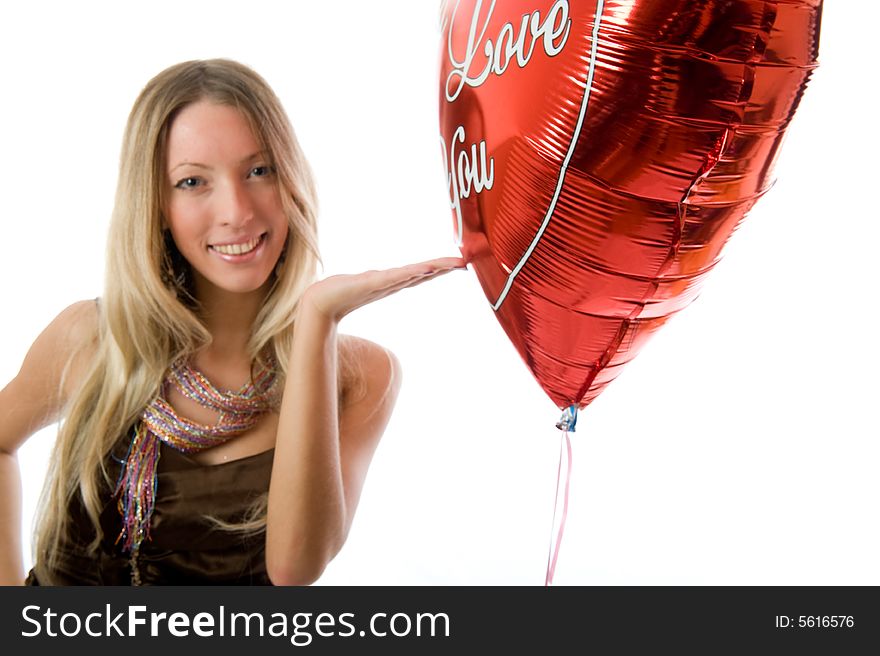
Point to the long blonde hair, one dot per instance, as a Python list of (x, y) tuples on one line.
[(146, 320)]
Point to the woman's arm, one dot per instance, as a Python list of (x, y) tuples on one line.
[(31, 401), (11, 570), (322, 457)]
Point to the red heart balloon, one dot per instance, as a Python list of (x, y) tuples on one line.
[(600, 153)]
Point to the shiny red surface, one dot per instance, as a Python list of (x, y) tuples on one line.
[(639, 183)]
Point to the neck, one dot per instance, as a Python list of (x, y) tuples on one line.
[(229, 317)]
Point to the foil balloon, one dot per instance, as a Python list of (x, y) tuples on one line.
[(599, 154)]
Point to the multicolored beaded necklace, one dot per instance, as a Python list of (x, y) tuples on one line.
[(159, 423)]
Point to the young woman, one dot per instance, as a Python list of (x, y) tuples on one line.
[(216, 428)]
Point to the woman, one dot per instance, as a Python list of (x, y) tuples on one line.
[(161, 474)]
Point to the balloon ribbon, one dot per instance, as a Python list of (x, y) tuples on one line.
[(566, 424)]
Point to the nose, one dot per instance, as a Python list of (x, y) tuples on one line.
[(235, 206)]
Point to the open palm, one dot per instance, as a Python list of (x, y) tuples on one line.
[(339, 295)]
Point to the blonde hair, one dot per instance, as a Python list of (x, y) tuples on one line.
[(146, 320)]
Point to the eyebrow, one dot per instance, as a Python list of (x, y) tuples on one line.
[(199, 165)]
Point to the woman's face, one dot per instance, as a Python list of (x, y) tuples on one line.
[(223, 205)]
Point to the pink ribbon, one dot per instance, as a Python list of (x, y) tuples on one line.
[(564, 451)]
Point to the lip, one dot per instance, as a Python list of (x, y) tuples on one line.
[(245, 257)]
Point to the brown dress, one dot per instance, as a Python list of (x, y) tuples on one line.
[(184, 547)]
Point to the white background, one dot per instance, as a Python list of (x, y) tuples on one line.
[(739, 448)]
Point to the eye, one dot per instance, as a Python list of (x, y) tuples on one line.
[(188, 183), (262, 171)]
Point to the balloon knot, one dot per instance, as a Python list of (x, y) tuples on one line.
[(568, 420)]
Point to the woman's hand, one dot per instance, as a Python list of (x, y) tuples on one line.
[(336, 296), (322, 451)]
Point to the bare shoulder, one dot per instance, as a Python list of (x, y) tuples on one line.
[(370, 373), (73, 333), (370, 381), (78, 323), (53, 365)]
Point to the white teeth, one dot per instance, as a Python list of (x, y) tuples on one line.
[(237, 249)]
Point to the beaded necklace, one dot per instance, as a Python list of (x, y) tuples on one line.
[(160, 423)]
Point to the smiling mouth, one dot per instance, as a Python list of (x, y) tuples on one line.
[(238, 249)]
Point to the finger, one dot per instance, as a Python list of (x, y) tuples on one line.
[(405, 276), (447, 263), (412, 281), (429, 266), (420, 277), (374, 294)]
